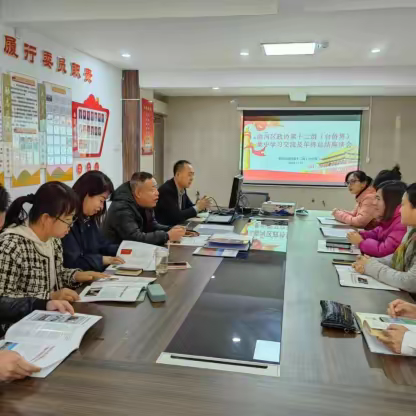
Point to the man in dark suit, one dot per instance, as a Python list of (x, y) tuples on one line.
[(174, 205), (131, 216)]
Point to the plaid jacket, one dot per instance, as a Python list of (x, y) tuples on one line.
[(24, 272)]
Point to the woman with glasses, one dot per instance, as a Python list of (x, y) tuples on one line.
[(31, 260), (365, 211), (85, 246)]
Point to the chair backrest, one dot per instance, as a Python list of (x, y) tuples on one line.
[(253, 199)]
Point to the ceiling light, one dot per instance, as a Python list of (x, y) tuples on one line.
[(289, 48), (244, 53), (126, 55), (375, 50), (215, 88), (236, 339)]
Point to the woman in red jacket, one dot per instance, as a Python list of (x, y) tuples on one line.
[(385, 238), (364, 213)]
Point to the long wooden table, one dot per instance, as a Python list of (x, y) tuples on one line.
[(323, 372)]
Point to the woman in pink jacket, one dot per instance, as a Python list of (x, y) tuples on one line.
[(385, 238), (364, 213)]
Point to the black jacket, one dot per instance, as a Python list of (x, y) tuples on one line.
[(128, 221), (85, 246), (167, 210), (14, 309)]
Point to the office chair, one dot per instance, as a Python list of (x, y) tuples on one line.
[(253, 199)]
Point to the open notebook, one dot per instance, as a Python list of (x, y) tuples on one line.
[(46, 338)]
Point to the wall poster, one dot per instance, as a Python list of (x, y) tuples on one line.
[(89, 122), (59, 160), (23, 93), (148, 127)]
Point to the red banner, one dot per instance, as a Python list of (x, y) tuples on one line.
[(148, 127)]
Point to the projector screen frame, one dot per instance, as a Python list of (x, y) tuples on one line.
[(285, 111)]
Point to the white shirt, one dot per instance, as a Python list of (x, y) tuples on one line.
[(409, 343)]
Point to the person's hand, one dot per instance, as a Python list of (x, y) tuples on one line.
[(400, 307), (89, 276), (203, 204), (62, 306), (354, 238), (334, 211), (176, 233), (190, 233), (13, 366), (65, 294), (392, 337), (107, 260)]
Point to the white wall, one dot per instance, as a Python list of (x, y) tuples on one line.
[(106, 86), (206, 131)]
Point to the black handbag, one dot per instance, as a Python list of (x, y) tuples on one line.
[(337, 315)]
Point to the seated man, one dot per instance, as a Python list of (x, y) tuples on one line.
[(174, 205), (131, 217)]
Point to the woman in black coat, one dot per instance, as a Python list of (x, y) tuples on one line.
[(85, 247)]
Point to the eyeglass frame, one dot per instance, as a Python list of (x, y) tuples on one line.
[(68, 225)]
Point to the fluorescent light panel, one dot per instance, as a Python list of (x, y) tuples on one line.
[(289, 48)]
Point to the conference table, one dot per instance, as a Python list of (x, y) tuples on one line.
[(322, 372)]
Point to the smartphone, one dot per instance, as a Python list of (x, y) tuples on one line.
[(343, 262), (178, 265), (338, 244)]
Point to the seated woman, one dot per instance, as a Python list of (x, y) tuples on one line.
[(85, 246), (387, 175), (397, 270), (31, 262), (364, 213), (397, 337), (385, 238)]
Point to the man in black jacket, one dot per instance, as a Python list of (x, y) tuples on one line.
[(174, 205), (131, 216)]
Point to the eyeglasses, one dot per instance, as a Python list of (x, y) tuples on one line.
[(352, 182), (69, 225)]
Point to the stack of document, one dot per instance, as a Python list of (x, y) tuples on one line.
[(137, 256), (373, 324), (215, 252), (230, 241), (330, 221), (349, 277), (209, 229), (340, 233), (322, 248), (197, 241), (45, 338), (115, 289)]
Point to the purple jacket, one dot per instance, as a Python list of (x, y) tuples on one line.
[(385, 238)]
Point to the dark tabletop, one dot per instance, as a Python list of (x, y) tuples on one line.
[(323, 372)]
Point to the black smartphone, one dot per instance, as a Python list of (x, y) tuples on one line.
[(178, 263), (338, 244), (343, 262)]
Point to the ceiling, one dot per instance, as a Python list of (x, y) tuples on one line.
[(186, 47)]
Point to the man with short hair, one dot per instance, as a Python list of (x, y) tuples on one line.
[(174, 205), (131, 216)]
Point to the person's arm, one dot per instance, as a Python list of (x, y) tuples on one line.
[(74, 258), (65, 277), (128, 229), (375, 248), (372, 234), (409, 343), (401, 280), (364, 214), (14, 309), (12, 261), (168, 208)]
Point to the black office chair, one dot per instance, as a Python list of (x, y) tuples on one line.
[(253, 200)]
